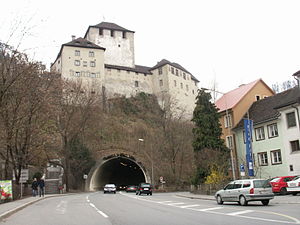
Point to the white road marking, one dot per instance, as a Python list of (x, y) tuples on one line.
[(61, 207), (164, 202), (188, 206), (239, 212), (102, 213), (176, 203), (91, 204), (209, 209)]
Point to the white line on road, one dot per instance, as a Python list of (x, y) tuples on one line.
[(188, 206), (176, 203), (91, 204), (239, 212), (164, 202), (102, 213), (209, 209)]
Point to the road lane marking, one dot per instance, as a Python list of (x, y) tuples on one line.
[(91, 204), (209, 209), (102, 213), (164, 202), (176, 203), (188, 206), (239, 212)]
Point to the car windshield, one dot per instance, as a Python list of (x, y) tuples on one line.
[(275, 179), (261, 183), (296, 177), (110, 185), (145, 185)]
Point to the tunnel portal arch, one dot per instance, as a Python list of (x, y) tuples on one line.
[(118, 169)]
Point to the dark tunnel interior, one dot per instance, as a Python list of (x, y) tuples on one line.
[(120, 171)]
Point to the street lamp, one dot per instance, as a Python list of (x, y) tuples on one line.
[(151, 160), (228, 122)]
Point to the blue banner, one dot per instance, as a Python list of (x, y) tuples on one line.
[(248, 124)]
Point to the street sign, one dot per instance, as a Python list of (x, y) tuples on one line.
[(161, 179), (85, 176), (24, 175)]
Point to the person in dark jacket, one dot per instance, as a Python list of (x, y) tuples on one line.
[(41, 184), (34, 187)]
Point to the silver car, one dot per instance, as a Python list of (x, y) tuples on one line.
[(244, 191), (110, 188)]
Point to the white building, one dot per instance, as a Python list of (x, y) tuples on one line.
[(105, 59)]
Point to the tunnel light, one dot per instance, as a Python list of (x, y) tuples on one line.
[(141, 139), (123, 164)]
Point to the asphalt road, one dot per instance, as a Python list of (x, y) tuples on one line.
[(158, 209)]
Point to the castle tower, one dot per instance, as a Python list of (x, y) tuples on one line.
[(118, 42)]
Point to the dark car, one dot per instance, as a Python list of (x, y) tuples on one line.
[(144, 188), (131, 188), (121, 187), (279, 184)]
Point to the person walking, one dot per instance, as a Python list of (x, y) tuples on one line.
[(41, 185), (34, 187)]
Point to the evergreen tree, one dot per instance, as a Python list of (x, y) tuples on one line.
[(207, 131)]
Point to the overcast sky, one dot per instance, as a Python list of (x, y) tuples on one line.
[(230, 42)]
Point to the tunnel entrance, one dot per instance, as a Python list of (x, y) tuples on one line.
[(119, 170)]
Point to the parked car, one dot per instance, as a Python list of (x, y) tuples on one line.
[(131, 188), (294, 185), (110, 188), (279, 184), (144, 188), (244, 191), (121, 187)]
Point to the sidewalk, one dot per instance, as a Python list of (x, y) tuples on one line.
[(278, 199)]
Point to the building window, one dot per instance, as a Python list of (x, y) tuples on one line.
[(187, 87), (176, 72), (272, 130), (92, 63), (276, 157), (229, 142), (175, 83), (91, 54), (227, 121), (112, 33), (77, 74), (124, 34), (136, 83), (172, 70), (259, 133), (77, 63), (84, 63), (193, 92), (77, 53), (184, 76), (291, 119), (100, 31), (93, 75), (291, 168), (295, 145), (263, 158), (257, 97), (181, 85), (161, 83), (160, 71)]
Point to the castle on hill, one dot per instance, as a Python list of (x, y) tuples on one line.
[(104, 59)]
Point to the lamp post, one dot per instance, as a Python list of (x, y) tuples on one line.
[(228, 121), (151, 160)]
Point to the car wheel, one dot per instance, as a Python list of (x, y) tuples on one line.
[(283, 191), (219, 200), (136, 193), (243, 201), (295, 194), (151, 193), (265, 202), (140, 193)]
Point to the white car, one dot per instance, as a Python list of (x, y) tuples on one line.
[(110, 188), (293, 186), (244, 191)]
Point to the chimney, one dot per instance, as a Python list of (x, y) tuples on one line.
[(73, 37), (297, 77)]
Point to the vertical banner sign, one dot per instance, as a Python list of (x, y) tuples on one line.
[(5, 189), (248, 139)]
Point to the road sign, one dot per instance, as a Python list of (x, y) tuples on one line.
[(24, 175), (161, 179)]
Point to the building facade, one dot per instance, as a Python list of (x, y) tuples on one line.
[(105, 59)]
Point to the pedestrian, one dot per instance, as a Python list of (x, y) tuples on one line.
[(34, 187), (41, 184)]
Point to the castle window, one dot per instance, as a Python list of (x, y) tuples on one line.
[(181, 85), (161, 83), (136, 83), (91, 54), (77, 53), (84, 63), (77, 63), (92, 63), (112, 33), (187, 87), (93, 75), (77, 74), (176, 72), (175, 83), (124, 34), (100, 31), (172, 70), (160, 71), (193, 92), (184, 76)]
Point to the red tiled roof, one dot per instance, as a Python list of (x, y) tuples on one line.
[(231, 98)]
